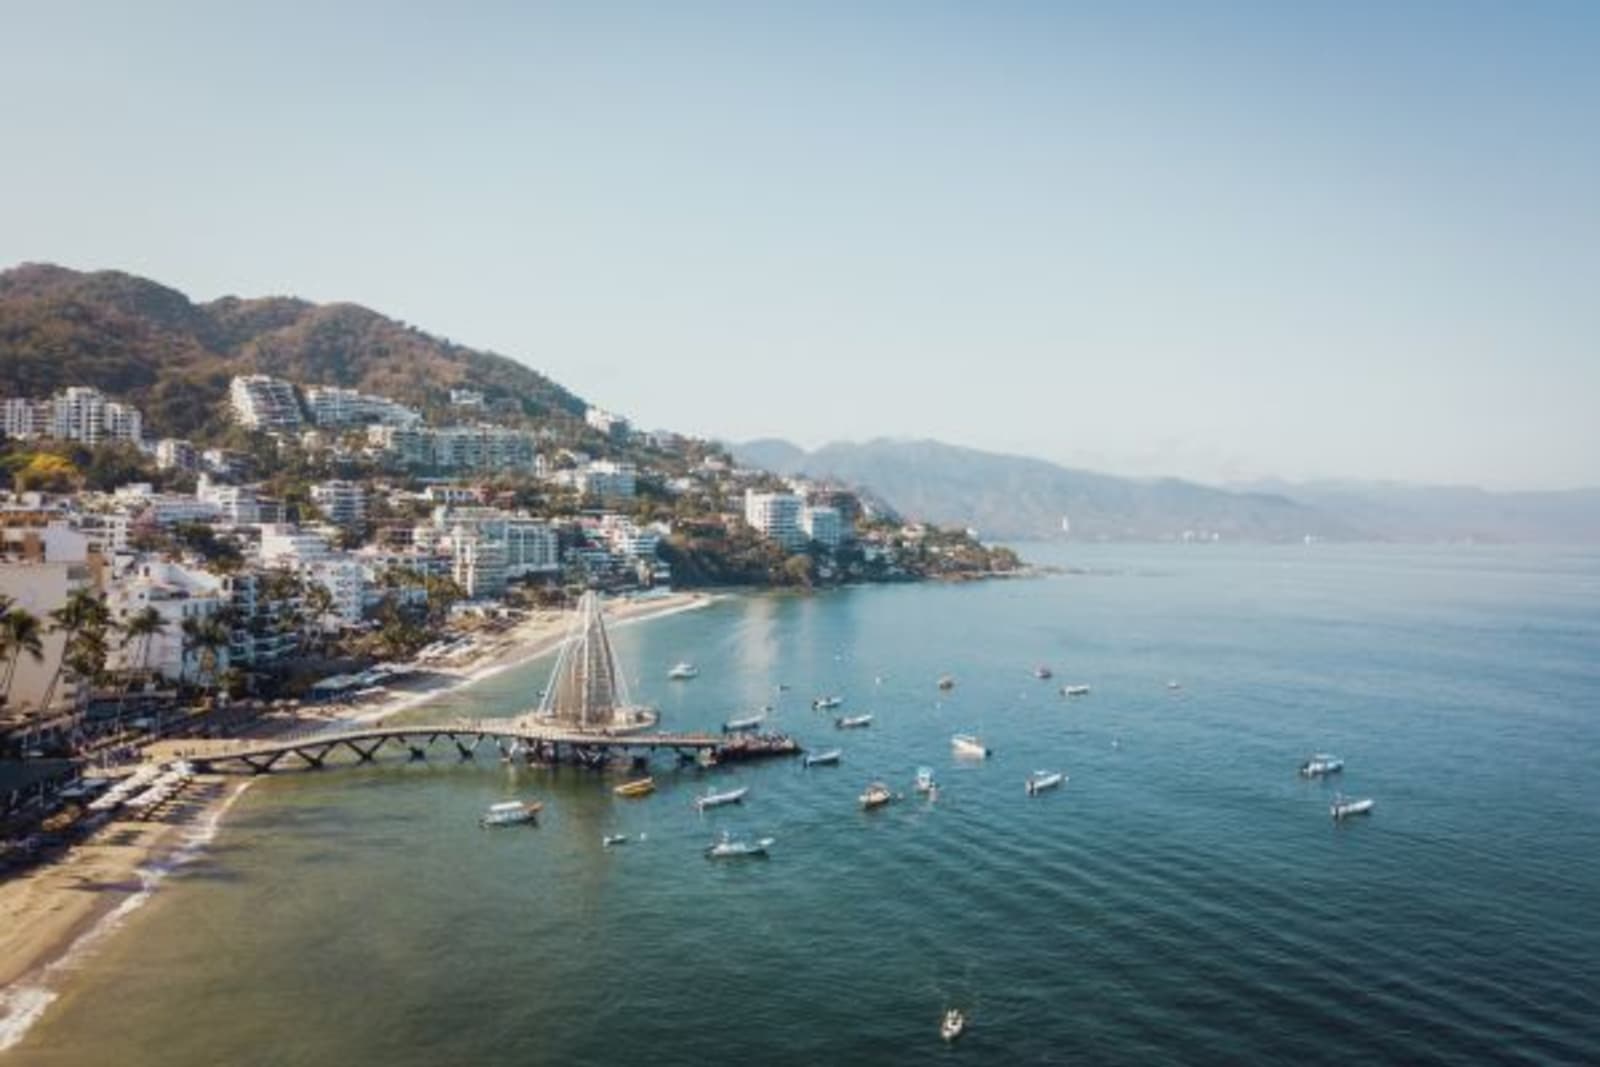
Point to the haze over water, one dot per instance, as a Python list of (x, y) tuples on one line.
[(1185, 898)]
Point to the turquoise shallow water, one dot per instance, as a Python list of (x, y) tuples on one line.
[(1184, 899)]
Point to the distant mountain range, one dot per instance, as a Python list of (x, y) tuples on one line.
[(1017, 497), (141, 341)]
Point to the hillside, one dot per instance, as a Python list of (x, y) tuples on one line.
[(1018, 497), (141, 341), (1453, 513)]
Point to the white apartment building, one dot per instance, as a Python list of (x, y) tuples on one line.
[(174, 453), (287, 544), (341, 503), (775, 515), (332, 406), (177, 593), (822, 524), (263, 403), (466, 398), (606, 422), (78, 413), (42, 587), (478, 563), (237, 504), (454, 447), (345, 579), (627, 538), (607, 481)]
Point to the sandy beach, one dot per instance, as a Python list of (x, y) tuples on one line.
[(53, 912)]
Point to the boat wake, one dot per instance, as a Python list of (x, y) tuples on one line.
[(22, 1005)]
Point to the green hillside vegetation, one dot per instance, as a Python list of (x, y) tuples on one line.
[(143, 342)]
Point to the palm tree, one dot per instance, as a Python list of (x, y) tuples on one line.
[(141, 627), (20, 631), (318, 606), (208, 635), (84, 612)]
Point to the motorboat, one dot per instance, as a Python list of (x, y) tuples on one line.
[(511, 813), (925, 783), (1043, 673), (1074, 690), (876, 796), (946, 682), (853, 722), (1343, 809), (637, 788), (970, 746), (725, 847), (826, 703), (829, 758), (682, 672), (1039, 781), (733, 726), (1321, 764), (613, 839), (1174, 684), (716, 800), (952, 1025)]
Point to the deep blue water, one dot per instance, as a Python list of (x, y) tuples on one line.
[(1184, 899)]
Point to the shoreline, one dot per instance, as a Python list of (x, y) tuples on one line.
[(53, 914)]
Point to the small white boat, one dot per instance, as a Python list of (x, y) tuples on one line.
[(1043, 673), (876, 796), (826, 703), (925, 783), (1039, 781), (716, 800), (733, 726), (1174, 685), (969, 746), (1343, 809), (946, 682), (511, 813), (1074, 690), (683, 672), (726, 847), (613, 839), (1321, 764), (952, 1025), (823, 759), (853, 722)]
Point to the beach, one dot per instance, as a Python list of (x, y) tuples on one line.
[(51, 913)]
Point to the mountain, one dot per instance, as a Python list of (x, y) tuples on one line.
[(1453, 513), (141, 341), (1008, 496)]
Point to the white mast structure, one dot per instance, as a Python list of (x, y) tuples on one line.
[(588, 689)]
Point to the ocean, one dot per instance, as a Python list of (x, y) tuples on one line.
[(1185, 898)]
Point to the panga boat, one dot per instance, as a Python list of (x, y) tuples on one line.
[(726, 847), (876, 796), (851, 722), (733, 726), (1343, 809), (683, 672), (952, 1025), (925, 780), (967, 745), (511, 813), (1039, 781), (1174, 685), (637, 788), (826, 703), (1042, 672), (819, 759), (614, 839), (1321, 764), (716, 800), (1074, 690), (946, 682)]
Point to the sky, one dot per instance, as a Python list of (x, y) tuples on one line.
[(1211, 240)]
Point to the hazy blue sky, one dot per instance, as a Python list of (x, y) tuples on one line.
[(1224, 240)]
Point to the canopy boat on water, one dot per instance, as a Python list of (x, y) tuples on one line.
[(752, 722), (925, 783), (821, 759), (716, 800), (511, 813), (1039, 781), (613, 839), (1174, 684), (946, 682), (826, 703), (969, 746), (1321, 764), (952, 1025), (1341, 808), (853, 722), (726, 847), (682, 672), (1074, 690), (876, 796), (1043, 672), (637, 788)]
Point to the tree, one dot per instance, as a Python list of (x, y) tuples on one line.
[(84, 620), (20, 631), (141, 627), (48, 473), (208, 635)]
